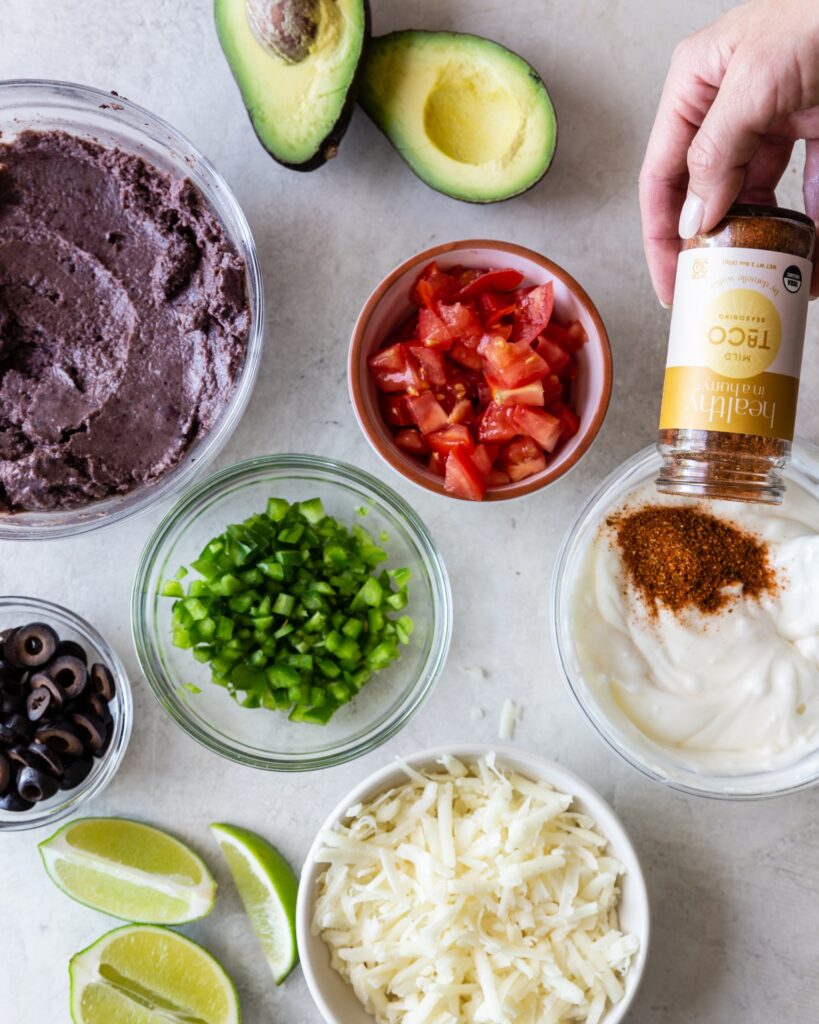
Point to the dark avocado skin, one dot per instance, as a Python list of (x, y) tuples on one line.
[(329, 145), (472, 202)]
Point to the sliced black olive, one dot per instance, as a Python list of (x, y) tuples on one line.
[(92, 729), (8, 674), (39, 703), (31, 646), (70, 674), (12, 702), (96, 705), (13, 683), (34, 785), (7, 735), (62, 737), (46, 760), (5, 634), (20, 756), (102, 680), (77, 772), (12, 801), (5, 774), (40, 679), (20, 726), (73, 650)]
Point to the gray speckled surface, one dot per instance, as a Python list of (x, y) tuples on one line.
[(733, 887)]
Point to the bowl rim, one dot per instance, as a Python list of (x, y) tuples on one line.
[(205, 490), (109, 764), (154, 129), (404, 465), (805, 458), (545, 769)]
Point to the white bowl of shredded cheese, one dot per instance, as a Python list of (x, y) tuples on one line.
[(472, 885)]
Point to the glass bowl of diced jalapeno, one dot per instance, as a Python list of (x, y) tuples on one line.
[(291, 612)]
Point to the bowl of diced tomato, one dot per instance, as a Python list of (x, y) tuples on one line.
[(480, 370)]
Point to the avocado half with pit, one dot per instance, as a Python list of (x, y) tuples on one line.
[(297, 64), (471, 118)]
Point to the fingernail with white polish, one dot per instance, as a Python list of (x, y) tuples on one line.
[(691, 216), (665, 305)]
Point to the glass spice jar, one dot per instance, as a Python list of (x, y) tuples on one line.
[(734, 356)]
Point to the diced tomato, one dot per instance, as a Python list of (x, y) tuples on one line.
[(460, 320), (492, 280), (577, 335), (552, 388), (512, 363), (554, 332), (431, 363), (534, 311), (427, 412), (569, 420), (437, 463), (450, 438), (555, 356), (464, 356), (497, 424), (432, 331), (393, 370), (396, 410), (496, 306), (433, 286), (477, 382), (463, 478), (404, 332), (412, 441), (522, 458), (484, 457), (461, 411), (539, 425), (529, 394)]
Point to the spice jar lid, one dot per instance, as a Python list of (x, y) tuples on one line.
[(773, 212)]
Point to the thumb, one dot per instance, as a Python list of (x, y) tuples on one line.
[(730, 134)]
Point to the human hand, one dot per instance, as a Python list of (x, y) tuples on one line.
[(737, 97)]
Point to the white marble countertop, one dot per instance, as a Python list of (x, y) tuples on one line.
[(734, 887)]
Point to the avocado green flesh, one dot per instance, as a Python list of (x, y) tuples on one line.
[(471, 118), (299, 110)]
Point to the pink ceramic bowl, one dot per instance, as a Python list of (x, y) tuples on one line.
[(390, 304)]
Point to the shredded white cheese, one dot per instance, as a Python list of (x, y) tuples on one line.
[(473, 895), (510, 716)]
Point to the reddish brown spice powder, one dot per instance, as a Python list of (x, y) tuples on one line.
[(686, 558)]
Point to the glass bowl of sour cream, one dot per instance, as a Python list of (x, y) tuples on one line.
[(721, 704)]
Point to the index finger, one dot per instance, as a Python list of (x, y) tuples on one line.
[(685, 100)]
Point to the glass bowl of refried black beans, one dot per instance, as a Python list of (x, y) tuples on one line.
[(130, 310)]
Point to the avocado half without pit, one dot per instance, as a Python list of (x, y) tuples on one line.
[(297, 65), (471, 118)]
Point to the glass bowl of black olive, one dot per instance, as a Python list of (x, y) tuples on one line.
[(65, 712)]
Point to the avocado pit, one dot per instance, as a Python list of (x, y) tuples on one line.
[(286, 27)]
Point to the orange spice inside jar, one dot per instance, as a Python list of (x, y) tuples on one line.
[(734, 356)]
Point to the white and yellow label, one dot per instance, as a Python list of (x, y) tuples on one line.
[(735, 347)]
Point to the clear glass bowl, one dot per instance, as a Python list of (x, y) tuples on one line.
[(257, 736), (16, 611), (615, 729), (114, 121)]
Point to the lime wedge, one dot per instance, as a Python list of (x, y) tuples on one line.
[(129, 870), (142, 974), (268, 888)]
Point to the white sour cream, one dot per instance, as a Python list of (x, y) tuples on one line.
[(735, 691)]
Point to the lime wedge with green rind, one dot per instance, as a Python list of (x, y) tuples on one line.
[(129, 870), (144, 974), (268, 889)]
